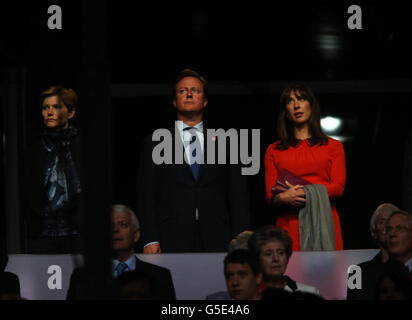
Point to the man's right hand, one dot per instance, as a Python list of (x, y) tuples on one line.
[(152, 248)]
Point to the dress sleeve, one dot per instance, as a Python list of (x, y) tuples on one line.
[(338, 171), (271, 171)]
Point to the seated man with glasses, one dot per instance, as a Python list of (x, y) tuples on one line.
[(373, 269), (398, 231)]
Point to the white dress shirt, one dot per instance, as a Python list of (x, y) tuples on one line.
[(131, 265)]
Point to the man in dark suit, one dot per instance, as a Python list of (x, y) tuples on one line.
[(192, 206), (398, 232), (373, 269), (125, 234)]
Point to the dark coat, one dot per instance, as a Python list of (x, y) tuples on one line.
[(372, 270), (9, 283), (32, 190), (160, 277)]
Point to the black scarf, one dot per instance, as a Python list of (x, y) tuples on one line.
[(61, 182)]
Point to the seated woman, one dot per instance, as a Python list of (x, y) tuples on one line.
[(273, 247)]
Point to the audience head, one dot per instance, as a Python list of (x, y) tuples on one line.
[(59, 106), (240, 242), (242, 275), (273, 248), (190, 94), (378, 221), (192, 74), (311, 116), (134, 285), (398, 232), (394, 283), (125, 230)]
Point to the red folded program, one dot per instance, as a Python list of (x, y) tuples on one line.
[(285, 175)]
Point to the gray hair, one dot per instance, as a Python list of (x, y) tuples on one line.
[(121, 208), (240, 242), (404, 213), (268, 233), (382, 208)]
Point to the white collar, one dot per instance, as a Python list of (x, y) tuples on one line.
[(181, 126)]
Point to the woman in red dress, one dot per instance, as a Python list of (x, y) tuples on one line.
[(306, 151)]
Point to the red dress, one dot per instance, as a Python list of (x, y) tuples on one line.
[(317, 164)]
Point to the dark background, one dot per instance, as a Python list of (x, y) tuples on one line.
[(259, 47)]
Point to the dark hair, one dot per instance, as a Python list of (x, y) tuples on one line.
[(399, 274), (190, 73), (66, 95), (242, 256), (141, 283), (285, 130), (403, 213), (269, 233)]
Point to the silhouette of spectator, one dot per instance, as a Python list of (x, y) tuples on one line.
[(372, 269), (135, 285), (240, 241), (395, 282), (9, 282)]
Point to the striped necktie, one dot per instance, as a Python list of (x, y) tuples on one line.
[(193, 146), (121, 267)]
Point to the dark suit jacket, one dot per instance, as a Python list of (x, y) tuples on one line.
[(407, 175), (372, 270), (9, 283), (168, 196), (32, 190), (160, 277)]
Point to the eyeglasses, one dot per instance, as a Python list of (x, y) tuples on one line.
[(397, 229)]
